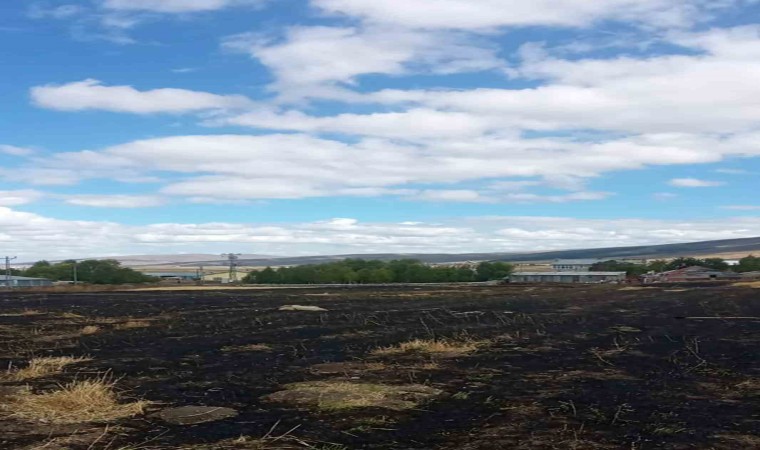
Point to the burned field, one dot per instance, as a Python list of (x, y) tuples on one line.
[(382, 368)]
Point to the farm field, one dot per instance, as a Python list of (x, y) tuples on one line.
[(431, 367)]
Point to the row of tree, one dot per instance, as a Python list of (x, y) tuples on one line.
[(370, 272), (90, 271), (747, 264)]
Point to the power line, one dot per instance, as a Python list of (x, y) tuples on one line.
[(232, 259)]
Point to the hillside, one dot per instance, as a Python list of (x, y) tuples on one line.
[(730, 246)]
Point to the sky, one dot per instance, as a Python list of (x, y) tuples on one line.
[(294, 127)]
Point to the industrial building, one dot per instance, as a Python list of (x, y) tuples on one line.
[(574, 265), (23, 282), (567, 277), (693, 273)]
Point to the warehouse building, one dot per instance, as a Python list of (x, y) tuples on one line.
[(22, 282), (574, 265), (567, 277), (693, 273)]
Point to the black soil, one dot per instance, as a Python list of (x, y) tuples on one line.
[(565, 367)]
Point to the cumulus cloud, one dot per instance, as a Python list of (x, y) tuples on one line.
[(19, 197), (41, 11), (175, 6), (114, 201), (300, 166), (694, 183), (485, 14), (289, 166), (324, 58), (33, 236), (93, 95), (16, 151)]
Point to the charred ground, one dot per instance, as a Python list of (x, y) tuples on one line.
[(549, 367)]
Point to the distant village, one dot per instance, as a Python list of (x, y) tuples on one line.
[(638, 270)]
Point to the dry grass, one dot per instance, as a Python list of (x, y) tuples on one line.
[(133, 324), (247, 348), (340, 395), (77, 402), (71, 315), (41, 367), (26, 312), (432, 347), (749, 284), (89, 330)]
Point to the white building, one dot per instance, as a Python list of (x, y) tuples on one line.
[(567, 277), (574, 265), (14, 281)]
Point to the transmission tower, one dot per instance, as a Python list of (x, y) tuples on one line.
[(232, 260), (8, 260)]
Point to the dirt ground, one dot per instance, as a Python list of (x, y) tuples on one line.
[(499, 367)]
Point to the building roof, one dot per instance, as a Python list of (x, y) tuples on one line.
[(694, 269), (576, 261), (15, 278), (564, 274)]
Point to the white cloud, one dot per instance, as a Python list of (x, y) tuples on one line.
[(19, 197), (487, 196), (41, 11), (16, 151), (114, 201), (732, 171), (664, 196), (453, 195), (325, 58), (285, 166), (661, 94), (93, 95), (485, 14), (175, 6), (32, 236), (419, 123), (694, 183)]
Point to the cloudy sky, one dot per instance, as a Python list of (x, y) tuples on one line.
[(292, 127)]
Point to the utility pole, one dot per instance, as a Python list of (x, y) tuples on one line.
[(75, 272), (232, 259), (8, 260), (201, 275)]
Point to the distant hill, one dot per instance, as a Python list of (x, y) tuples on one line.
[(735, 246), (744, 246)]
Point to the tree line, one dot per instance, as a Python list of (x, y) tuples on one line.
[(106, 271), (747, 264), (378, 272)]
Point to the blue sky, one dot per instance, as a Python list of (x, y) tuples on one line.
[(354, 126)]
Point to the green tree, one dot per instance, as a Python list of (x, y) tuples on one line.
[(658, 266), (680, 263), (488, 271), (749, 264), (89, 271), (630, 269)]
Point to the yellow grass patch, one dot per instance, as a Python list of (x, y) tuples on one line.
[(26, 312), (41, 367), (247, 348), (77, 402), (133, 324), (339, 395), (90, 329), (432, 347), (749, 284), (71, 315)]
